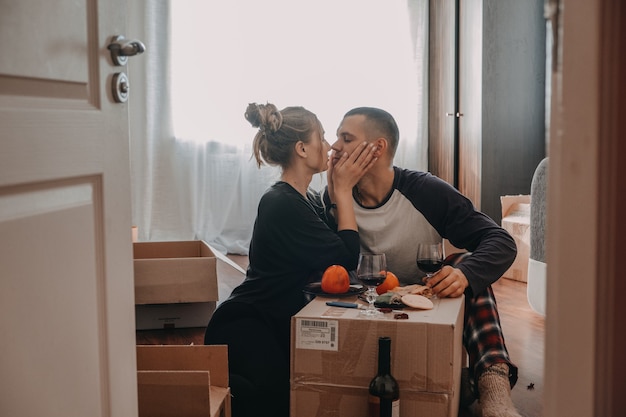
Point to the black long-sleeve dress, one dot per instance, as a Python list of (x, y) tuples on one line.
[(291, 246)]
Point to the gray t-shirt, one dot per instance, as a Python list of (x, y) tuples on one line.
[(421, 207)]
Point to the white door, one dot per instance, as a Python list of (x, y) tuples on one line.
[(66, 283)]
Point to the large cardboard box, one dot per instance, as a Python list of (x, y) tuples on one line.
[(334, 356), (175, 284), (516, 220), (183, 381)]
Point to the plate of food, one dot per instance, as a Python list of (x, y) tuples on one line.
[(315, 288)]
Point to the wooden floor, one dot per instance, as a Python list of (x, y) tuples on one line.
[(523, 330)]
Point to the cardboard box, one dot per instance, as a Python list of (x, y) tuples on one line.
[(334, 356), (516, 220), (183, 381), (175, 284), (174, 272)]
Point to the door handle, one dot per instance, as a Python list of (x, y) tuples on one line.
[(121, 48)]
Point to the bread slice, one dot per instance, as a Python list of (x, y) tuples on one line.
[(417, 301)]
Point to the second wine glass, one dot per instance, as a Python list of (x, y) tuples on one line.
[(371, 272), (430, 259)]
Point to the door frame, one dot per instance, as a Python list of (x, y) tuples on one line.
[(585, 329)]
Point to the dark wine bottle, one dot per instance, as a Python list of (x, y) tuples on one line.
[(384, 390)]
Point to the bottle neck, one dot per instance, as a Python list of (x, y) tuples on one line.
[(384, 356)]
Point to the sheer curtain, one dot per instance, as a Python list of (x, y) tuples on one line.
[(193, 177)]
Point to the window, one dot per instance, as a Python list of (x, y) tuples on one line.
[(325, 55), (215, 57)]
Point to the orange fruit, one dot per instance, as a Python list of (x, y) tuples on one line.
[(335, 280), (389, 283)]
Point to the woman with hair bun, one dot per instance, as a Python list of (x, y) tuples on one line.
[(291, 246)]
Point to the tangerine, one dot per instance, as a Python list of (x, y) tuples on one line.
[(335, 280), (390, 282)]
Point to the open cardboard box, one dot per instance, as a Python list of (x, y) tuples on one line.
[(334, 356), (174, 272), (516, 221), (183, 381), (175, 284)]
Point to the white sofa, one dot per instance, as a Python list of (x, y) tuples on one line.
[(536, 286)]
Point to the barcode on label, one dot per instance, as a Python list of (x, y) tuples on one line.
[(314, 323), (317, 334)]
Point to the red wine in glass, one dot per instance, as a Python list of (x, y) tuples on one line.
[(372, 280), (429, 265), (371, 272), (430, 258)]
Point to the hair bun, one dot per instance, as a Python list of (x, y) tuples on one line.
[(266, 117)]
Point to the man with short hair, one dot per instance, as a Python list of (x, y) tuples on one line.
[(398, 208)]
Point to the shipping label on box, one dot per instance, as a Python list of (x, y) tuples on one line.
[(516, 221), (426, 353), (316, 334)]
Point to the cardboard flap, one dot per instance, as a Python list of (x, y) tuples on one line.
[(173, 393), (515, 203), (213, 358), (220, 401), (188, 280), (173, 249)]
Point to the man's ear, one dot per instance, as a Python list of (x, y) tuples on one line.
[(380, 146)]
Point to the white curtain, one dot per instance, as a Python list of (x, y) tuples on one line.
[(193, 177)]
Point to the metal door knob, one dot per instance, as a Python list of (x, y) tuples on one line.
[(121, 48)]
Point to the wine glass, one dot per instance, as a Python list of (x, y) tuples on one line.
[(371, 272), (430, 259)]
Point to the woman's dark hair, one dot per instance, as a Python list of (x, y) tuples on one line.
[(279, 131), (379, 123)]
